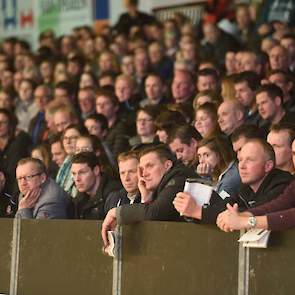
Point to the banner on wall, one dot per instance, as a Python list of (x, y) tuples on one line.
[(17, 18), (27, 18), (63, 16)]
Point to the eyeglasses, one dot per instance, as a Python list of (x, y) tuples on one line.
[(70, 138), (29, 177), (84, 149)]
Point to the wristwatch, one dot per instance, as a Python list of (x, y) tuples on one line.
[(252, 221)]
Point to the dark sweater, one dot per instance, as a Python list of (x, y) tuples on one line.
[(271, 187), (280, 212)]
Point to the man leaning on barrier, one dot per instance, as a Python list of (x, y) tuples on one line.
[(160, 178), (279, 214), (40, 197), (261, 183)]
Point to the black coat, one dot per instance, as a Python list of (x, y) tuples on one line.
[(86, 207), (119, 198), (271, 187), (161, 208)]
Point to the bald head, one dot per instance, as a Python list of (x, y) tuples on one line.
[(231, 115)]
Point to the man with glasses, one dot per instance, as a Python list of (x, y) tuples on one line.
[(40, 197)]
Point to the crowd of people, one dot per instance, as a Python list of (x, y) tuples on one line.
[(109, 125)]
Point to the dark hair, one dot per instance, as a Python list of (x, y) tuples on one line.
[(88, 158), (100, 118), (67, 86), (162, 150), (223, 149), (272, 91), (109, 94), (185, 133), (167, 119), (80, 128), (246, 130), (208, 72), (12, 121), (250, 77), (289, 128), (57, 137)]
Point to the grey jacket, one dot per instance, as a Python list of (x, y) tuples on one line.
[(52, 203)]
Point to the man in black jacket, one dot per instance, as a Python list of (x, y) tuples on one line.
[(261, 182), (92, 185), (160, 178)]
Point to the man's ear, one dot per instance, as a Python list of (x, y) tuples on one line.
[(168, 164), (43, 177), (278, 101), (96, 170), (269, 165)]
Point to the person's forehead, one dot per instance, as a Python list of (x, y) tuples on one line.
[(128, 164), (25, 168), (252, 149), (71, 132), (79, 166), (83, 141), (280, 136), (149, 157)]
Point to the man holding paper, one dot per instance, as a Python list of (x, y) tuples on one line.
[(261, 183)]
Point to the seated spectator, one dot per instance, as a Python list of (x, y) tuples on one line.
[(40, 197), (13, 147), (182, 87), (64, 176), (92, 185), (145, 126), (208, 79), (277, 214), (285, 82), (162, 178), (206, 122), (86, 101), (6, 201), (183, 142), (165, 121), (217, 163), (231, 115), (160, 64), (206, 96), (97, 125), (129, 194), (108, 105), (57, 150), (155, 91), (242, 134), (6, 100), (64, 116), (90, 143), (245, 84), (280, 137), (261, 183), (269, 99), (88, 79), (42, 153), (37, 126), (25, 107)]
